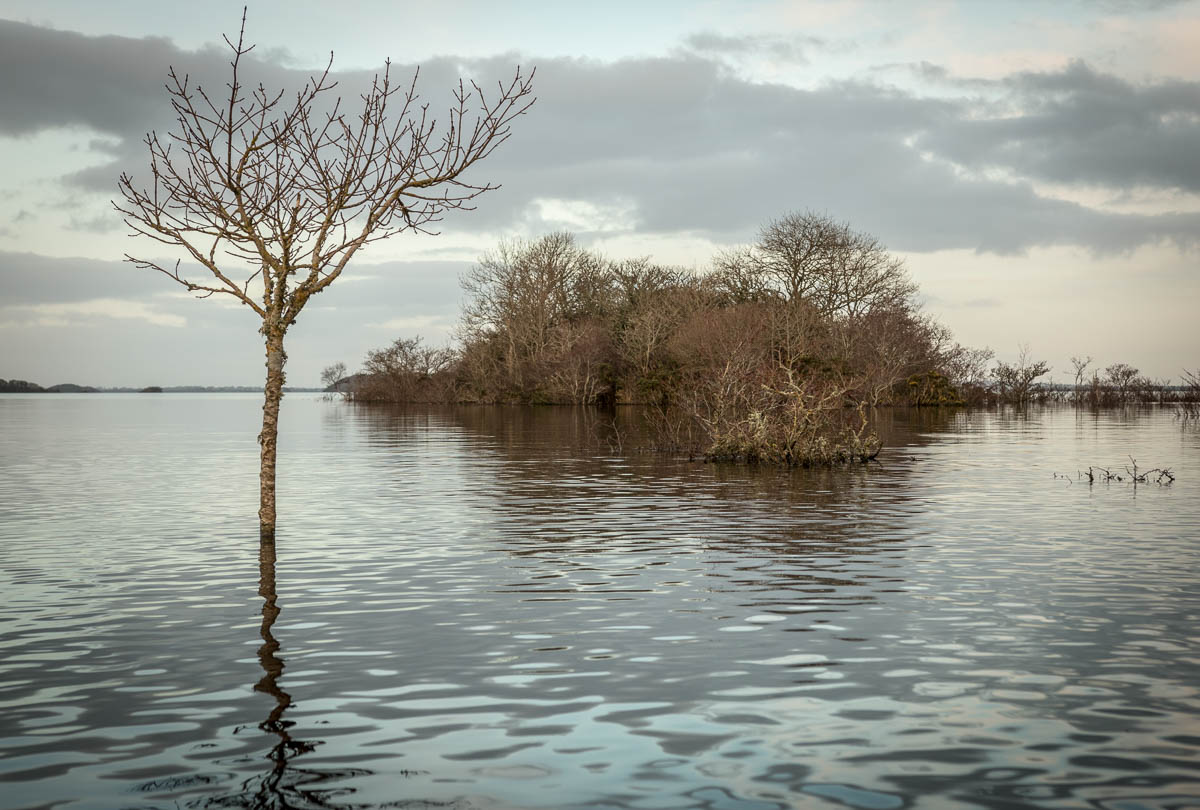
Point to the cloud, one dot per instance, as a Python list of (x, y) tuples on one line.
[(794, 49), (692, 147), (1080, 126), (29, 279), (1134, 6), (111, 85), (680, 143), (77, 312), (100, 322), (103, 223), (417, 323), (58, 78), (584, 216)]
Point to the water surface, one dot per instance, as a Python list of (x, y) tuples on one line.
[(488, 608)]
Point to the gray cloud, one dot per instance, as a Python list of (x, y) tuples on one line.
[(689, 146), (1080, 126), (221, 345), (28, 278), (1134, 6), (57, 78), (791, 49), (103, 223), (698, 149), (116, 86)]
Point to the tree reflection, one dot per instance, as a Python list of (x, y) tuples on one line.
[(284, 786), (272, 790)]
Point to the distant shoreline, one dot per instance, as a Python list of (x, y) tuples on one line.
[(25, 387)]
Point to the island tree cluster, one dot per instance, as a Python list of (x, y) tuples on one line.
[(773, 354)]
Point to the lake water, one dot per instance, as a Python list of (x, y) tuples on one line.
[(488, 608)]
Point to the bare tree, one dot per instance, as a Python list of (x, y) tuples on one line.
[(407, 371), (1189, 397), (1017, 382), (1126, 382), (814, 258), (1191, 384), (518, 295), (272, 199), (1080, 364), (331, 376)]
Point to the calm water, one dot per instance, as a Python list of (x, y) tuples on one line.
[(489, 609)]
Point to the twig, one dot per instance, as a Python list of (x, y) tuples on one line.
[(1159, 475)]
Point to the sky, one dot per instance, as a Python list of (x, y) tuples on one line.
[(1036, 164)]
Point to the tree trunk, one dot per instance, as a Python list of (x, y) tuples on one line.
[(272, 394)]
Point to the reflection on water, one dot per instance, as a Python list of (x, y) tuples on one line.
[(272, 666), (490, 608), (285, 785)]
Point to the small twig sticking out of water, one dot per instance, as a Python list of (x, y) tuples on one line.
[(1159, 475), (616, 442), (607, 432), (1156, 475)]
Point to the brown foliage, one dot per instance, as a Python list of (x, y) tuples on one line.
[(407, 371), (763, 384), (774, 356), (523, 301), (811, 257)]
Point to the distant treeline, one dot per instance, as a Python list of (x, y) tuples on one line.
[(25, 387), (1115, 385)]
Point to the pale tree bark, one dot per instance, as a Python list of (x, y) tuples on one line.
[(269, 438), (273, 201)]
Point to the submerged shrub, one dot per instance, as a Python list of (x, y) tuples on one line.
[(932, 388)]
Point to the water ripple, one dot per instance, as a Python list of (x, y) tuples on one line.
[(476, 608)]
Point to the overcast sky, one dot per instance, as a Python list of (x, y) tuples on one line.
[(1036, 164)]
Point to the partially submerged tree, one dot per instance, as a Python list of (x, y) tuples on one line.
[(407, 371), (333, 374), (1017, 382), (272, 199), (1125, 383), (1080, 366)]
